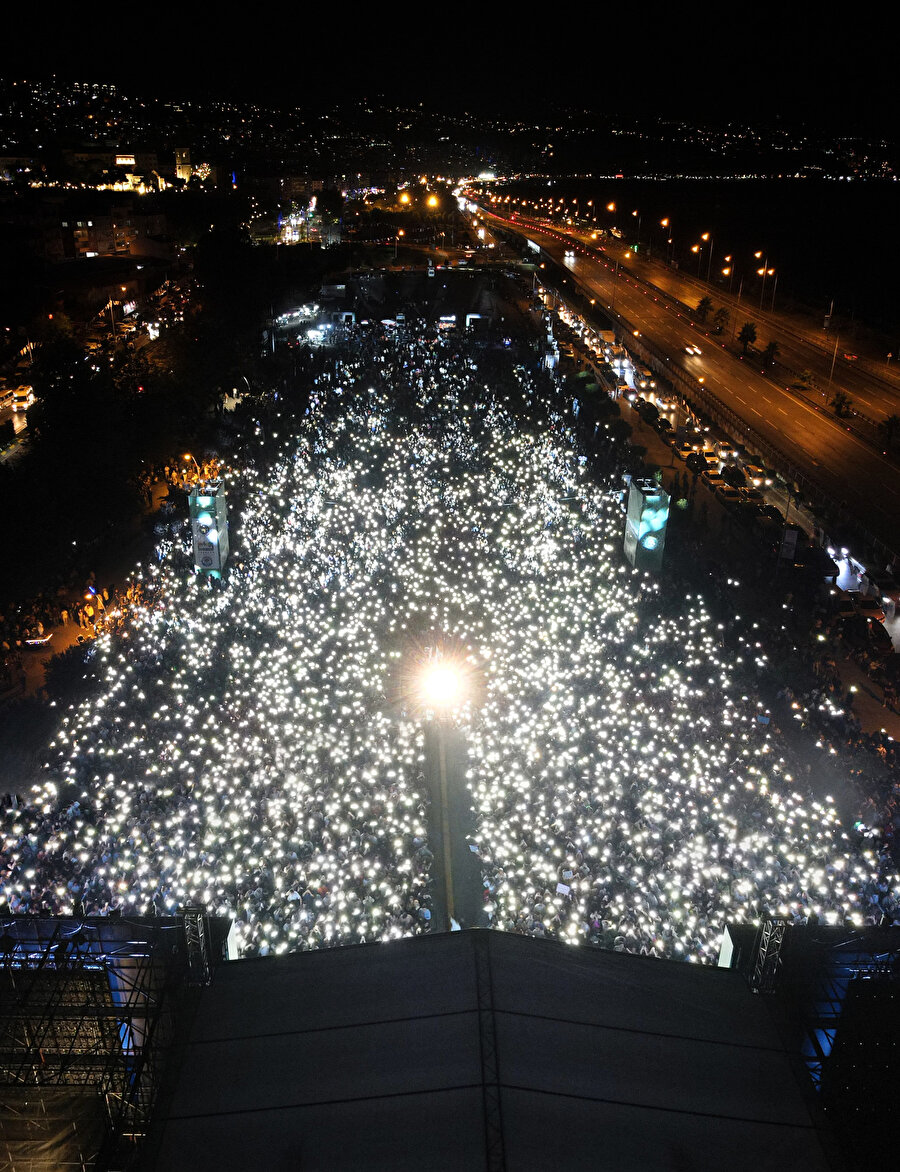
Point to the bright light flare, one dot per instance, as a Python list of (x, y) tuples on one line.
[(442, 686)]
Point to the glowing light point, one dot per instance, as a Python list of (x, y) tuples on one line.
[(441, 686)]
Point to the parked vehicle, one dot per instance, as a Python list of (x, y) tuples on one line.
[(882, 586), (728, 495), (851, 602)]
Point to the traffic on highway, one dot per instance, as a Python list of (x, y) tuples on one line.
[(822, 453)]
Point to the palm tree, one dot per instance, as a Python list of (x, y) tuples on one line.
[(720, 319), (747, 335), (841, 404), (704, 306), (770, 353)]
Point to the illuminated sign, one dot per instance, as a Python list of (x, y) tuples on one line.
[(209, 527), (645, 525)]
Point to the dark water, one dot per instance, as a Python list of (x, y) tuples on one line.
[(826, 239)]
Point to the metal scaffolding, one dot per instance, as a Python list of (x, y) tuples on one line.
[(86, 1017), (767, 956)]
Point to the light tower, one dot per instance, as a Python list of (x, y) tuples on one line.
[(209, 527), (645, 526)]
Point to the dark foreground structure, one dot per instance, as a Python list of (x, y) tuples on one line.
[(89, 1010), (135, 1044), (482, 1050)]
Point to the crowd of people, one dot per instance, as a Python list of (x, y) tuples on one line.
[(257, 744)]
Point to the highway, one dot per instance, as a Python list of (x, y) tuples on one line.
[(846, 468), (875, 390)]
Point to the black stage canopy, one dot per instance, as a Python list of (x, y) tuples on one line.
[(482, 1050)]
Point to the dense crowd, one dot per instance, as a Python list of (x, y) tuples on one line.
[(256, 746)]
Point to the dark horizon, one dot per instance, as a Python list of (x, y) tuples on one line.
[(786, 72)]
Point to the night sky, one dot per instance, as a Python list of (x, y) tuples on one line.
[(745, 62)]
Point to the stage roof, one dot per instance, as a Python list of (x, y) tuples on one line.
[(482, 1050)]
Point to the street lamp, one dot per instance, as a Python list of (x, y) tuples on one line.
[(728, 272), (441, 689), (441, 686), (706, 237), (188, 456), (764, 272), (666, 223)]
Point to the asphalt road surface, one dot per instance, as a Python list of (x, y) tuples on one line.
[(843, 465)]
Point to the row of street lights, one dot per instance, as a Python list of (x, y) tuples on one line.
[(706, 238)]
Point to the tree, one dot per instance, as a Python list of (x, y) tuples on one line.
[(890, 428), (721, 319), (619, 430), (770, 353), (841, 402), (704, 307), (747, 335), (805, 379)]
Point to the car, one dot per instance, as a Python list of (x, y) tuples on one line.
[(883, 586), (693, 350), (662, 425), (774, 513), (753, 496), (848, 603), (713, 479), (683, 449), (728, 495), (757, 476), (748, 512), (733, 475), (851, 357), (725, 450), (23, 397), (865, 605)]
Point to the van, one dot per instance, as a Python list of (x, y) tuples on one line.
[(7, 394), (23, 397)]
